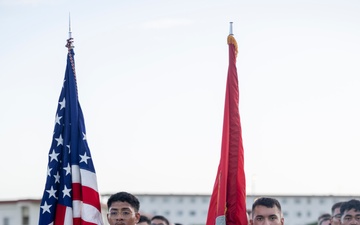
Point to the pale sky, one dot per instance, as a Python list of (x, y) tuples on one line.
[(151, 81)]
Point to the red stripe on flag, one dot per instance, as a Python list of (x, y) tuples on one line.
[(60, 214), (76, 191), (86, 195), (79, 221)]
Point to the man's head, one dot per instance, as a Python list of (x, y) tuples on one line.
[(324, 219), (123, 208), (350, 212), (266, 211), (159, 220), (335, 214), (249, 215), (144, 220)]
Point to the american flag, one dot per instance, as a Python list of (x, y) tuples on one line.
[(71, 195)]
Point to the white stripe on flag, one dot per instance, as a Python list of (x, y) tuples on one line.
[(87, 212), (88, 179), (75, 173), (77, 208), (68, 218), (85, 177)]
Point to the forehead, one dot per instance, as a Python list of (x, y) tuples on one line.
[(120, 206), (158, 221), (351, 212), (337, 210), (265, 211), (142, 223)]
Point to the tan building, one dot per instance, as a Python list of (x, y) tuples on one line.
[(24, 212), (188, 209)]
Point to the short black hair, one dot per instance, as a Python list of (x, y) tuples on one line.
[(160, 217), (336, 205), (324, 219), (124, 197), (144, 219), (248, 211), (351, 204), (267, 202), (324, 216)]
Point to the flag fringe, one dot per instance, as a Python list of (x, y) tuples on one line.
[(231, 40)]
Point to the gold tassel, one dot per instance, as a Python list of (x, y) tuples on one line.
[(231, 40)]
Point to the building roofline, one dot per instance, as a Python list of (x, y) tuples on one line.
[(37, 201), (193, 195), (248, 195)]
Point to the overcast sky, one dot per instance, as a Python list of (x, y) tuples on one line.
[(151, 80)]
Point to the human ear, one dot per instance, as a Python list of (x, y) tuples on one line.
[(137, 216)]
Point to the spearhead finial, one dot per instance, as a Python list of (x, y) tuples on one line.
[(70, 41), (231, 28), (69, 26)]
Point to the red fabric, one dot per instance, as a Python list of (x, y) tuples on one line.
[(86, 194), (229, 194), (60, 215), (79, 221)]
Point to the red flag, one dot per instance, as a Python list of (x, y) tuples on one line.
[(228, 200)]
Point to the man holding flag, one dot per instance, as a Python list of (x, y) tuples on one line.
[(71, 195), (228, 200)]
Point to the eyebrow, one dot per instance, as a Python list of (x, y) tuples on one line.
[(347, 214), (117, 209), (271, 215)]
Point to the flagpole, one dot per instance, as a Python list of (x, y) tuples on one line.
[(70, 41), (69, 26), (70, 46)]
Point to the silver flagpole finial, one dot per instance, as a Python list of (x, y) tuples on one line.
[(231, 28), (69, 27), (70, 41)]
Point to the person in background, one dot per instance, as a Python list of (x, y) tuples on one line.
[(144, 220), (350, 212), (266, 211), (123, 208), (335, 214), (324, 219), (249, 215), (159, 220)]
